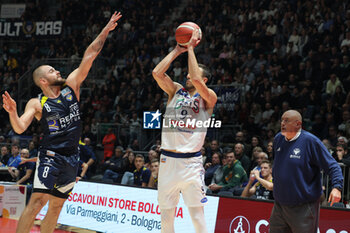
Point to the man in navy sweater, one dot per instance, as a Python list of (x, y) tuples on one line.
[(299, 159)]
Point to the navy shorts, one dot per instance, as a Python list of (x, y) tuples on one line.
[(55, 174)]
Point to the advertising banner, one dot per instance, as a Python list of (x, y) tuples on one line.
[(21, 30), (114, 208), (237, 216), (12, 199), (12, 10), (228, 97)]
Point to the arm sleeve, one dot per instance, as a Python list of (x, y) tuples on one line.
[(329, 165)]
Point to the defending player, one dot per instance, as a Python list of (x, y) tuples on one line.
[(181, 168), (57, 109)]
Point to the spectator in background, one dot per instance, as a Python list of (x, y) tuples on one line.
[(152, 155), (254, 155), (341, 154), (153, 181), (113, 167), (128, 168), (15, 158), (233, 175), (342, 140), (211, 167), (141, 173), (332, 85), (242, 157), (87, 155), (33, 151), (82, 170), (241, 138), (5, 156), (264, 186), (260, 156), (108, 143), (269, 150), (219, 172), (214, 147), (256, 142), (134, 126), (24, 174), (345, 124)]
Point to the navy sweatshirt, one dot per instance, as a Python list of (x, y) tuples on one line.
[(297, 167)]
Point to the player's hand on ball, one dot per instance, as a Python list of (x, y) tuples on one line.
[(180, 49), (195, 39), (113, 21)]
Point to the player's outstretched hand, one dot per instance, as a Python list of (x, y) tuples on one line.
[(8, 103), (113, 21)]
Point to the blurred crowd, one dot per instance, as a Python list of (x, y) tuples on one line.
[(280, 54)]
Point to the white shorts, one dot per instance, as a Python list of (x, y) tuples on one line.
[(185, 175)]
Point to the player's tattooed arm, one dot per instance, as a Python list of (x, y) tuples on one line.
[(75, 79), (99, 44)]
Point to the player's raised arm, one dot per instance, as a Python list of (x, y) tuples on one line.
[(20, 124), (163, 80), (75, 79), (198, 82)]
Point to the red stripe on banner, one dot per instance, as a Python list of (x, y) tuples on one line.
[(242, 215)]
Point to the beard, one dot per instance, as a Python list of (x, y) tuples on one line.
[(59, 83), (189, 86)]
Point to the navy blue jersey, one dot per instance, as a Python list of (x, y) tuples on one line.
[(142, 176), (60, 122), (23, 170), (297, 169)]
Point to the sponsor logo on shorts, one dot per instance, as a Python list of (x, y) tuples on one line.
[(204, 200), (163, 160)]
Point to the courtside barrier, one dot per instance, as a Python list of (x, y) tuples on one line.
[(116, 208)]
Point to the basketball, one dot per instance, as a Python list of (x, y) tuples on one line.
[(183, 33)]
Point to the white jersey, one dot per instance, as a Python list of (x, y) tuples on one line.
[(185, 123)]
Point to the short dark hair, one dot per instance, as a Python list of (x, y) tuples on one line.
[(206, 72), (267, 162), (345, 148), (154, 160), (140, 156)]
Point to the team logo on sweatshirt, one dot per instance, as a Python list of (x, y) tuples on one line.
[(296, 154)]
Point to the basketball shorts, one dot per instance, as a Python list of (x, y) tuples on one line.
[(55, 174), (181, 175)]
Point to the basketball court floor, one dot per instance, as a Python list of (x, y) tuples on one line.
[(9, 226)]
